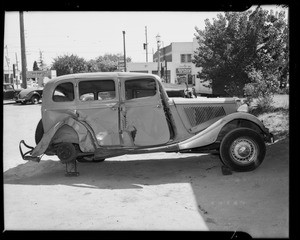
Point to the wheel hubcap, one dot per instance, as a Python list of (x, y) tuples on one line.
[(244, 150)]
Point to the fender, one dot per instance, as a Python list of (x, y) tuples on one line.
[(86, 143), (33, 93), (210, 134)]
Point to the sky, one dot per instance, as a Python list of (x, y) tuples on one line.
[(93, 34)]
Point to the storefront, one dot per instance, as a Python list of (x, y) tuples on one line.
[(184, 75)]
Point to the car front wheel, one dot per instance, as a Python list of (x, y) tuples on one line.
[(242, 149)]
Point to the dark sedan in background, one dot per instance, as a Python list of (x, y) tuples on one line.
[(32, 95), (9, 92)]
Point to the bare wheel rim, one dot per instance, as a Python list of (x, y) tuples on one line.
[(244, 150)]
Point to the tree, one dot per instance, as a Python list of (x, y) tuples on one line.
[(35, 66), (236, 46), (68, 64), (106, 63)]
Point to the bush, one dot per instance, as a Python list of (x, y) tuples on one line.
[(262, 88), (262, 105)]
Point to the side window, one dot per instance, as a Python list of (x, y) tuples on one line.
[(97, 90), (64, 92), (138, 88)]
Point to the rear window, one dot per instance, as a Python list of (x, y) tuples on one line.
[(64, 92), (97, 90), (139, 88)]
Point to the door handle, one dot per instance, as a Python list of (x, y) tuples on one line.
[(113, 106)]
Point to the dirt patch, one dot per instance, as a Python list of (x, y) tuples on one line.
[(277, 122)]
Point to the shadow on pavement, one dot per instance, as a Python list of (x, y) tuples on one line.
[(114, 174), (226, 202)]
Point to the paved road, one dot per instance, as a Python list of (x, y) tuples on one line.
[(162, 191)]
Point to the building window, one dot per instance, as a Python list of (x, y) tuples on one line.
[(185, 58), (189, 57), (155, 72)]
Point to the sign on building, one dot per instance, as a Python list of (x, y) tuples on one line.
[(121, 65), (183, 71), (182, 75), (41, 77)]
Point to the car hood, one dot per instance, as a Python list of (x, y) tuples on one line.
[(201, 100)]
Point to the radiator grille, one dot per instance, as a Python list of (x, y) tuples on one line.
[(198, 115)]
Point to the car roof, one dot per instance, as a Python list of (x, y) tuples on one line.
[(98, 74)]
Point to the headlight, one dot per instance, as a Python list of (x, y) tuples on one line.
[(243, 108)]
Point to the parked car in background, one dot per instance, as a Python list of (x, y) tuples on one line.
[(93, 116), (9, 92), (32, 95)]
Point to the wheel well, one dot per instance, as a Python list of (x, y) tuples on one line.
[(35, 95), (238, 123), (65, 134)]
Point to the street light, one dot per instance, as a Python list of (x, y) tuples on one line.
[(158, 45)]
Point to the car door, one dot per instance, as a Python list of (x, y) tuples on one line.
[(143, 119), (8, 92), (98, 106)]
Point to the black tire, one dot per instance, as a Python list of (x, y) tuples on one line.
[(242, 149), (35, 99), (39, 132), (66, 152)]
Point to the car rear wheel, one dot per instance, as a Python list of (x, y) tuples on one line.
[(35, 99), (242, 149)]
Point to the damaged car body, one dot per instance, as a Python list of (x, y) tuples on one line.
[(88, 117)]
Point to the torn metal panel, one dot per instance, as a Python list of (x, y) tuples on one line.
[(86, 143)]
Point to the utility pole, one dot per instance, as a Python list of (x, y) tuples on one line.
[(124, 51), (146, 44), (8, 63), (158, 52), (23, 52), (17, 70)]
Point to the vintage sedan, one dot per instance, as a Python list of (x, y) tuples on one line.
[(32, 95), (9, 91), (93, 116)]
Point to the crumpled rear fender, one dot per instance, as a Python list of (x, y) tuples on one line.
[(86, 142), (210, 134)]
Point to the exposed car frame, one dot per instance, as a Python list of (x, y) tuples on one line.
[(131, 113)]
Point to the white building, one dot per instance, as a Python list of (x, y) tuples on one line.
[(11, 75), (176, 65)]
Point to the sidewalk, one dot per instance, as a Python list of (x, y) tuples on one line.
[(8, 102)]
